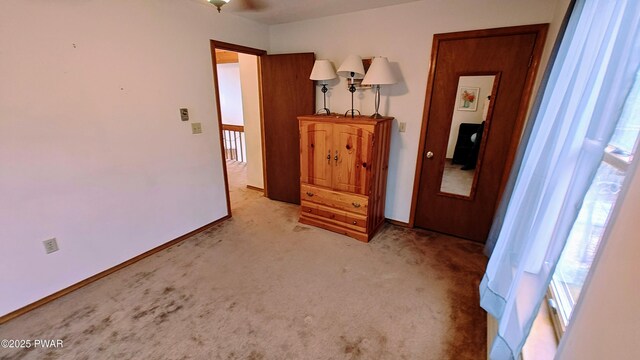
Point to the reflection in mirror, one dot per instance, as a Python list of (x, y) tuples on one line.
[(470, 117)]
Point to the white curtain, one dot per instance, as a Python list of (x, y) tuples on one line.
[(592, 74)]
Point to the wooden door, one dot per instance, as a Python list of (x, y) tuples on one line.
[(316, 160), (510, 53), (352, 152), (287, 93)]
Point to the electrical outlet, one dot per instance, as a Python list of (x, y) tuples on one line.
[(402, 127), (50, 245), (196, 128)]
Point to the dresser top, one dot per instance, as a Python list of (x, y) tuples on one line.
[(338, 118)]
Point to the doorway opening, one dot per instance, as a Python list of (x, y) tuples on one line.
[(237, 85), (282, 91)]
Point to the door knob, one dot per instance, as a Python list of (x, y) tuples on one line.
[(429, 154)]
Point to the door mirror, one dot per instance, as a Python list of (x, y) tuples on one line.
[(468, 133)]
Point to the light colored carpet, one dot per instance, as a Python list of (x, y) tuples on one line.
[(263, 286), (455, 180)]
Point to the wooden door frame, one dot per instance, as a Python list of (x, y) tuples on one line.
[(541, 34), (215, 44)]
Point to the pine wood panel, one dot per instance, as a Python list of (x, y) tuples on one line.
[(335, 199), (356, 221), (238, 128), (226, 57), (353, 202), (316, 159), (310, 208), (340, 229), (380, 171), (352, 149), (334, 216)]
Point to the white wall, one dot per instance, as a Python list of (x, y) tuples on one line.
[(92, 149), (251, 109), (230, 94), (606, 323), (485, 84), (404, 34)]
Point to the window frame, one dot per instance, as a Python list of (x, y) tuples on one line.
[(557, 297)]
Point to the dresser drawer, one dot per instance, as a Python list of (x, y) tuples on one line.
[(334, 199), (334, 216), (357, 221)]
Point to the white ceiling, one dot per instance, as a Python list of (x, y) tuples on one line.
[(284, 11)]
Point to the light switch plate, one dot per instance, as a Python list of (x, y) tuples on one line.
[(402, 127), (184, 114), (50, 245), (196, 128)]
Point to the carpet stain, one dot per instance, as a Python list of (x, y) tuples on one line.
[(255, 355), (365, 347), (78, 315), (197, 340), (352, 348), (100, 327), (207, 243), (462, 274), (141, 314), (143, 275), (20, 354), (299, 228), (162, 317)]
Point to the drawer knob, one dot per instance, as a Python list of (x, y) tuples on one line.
[(355, 222), (309, 194), (355, 205), (308, 210)]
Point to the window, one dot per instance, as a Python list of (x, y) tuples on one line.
[(588, 229)]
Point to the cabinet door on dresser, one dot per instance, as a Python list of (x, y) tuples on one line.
[(353, 145), (316, 159)]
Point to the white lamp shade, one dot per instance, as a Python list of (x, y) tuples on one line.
[(379, 73), (353, 64), (323, 70)]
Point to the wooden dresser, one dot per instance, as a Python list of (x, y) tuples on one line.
[(343, 173)]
